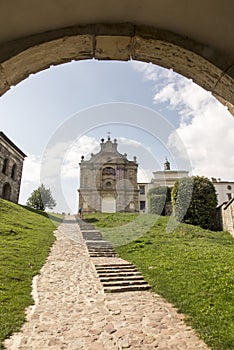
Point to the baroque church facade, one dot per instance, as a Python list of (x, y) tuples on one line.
[(108, 181), (11, 166)]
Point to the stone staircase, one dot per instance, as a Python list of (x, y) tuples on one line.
[(115, 277), (100, 249), (121, 278)]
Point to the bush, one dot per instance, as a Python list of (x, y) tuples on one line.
[(157, 198), (194, 201)]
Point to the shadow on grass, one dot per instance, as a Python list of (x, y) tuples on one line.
[(90, 220)]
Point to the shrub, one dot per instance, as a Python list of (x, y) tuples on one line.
[(157, 198), (194, 201)]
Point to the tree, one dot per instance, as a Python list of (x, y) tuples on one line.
[(194, 201), (41, 198), (157, 198)]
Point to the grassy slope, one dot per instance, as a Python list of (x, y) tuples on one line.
[(193, 269), (25, 240)]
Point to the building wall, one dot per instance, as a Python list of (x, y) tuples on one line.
[(161, 178), (11, 165), (168, 177), (224, 190), (228, 217)]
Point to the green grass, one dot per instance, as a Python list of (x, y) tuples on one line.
[(190, 267), (122, 228), (25, 239)]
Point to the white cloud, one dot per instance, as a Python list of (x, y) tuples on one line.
[(144, 175), (31, 169), (153, 72), (84, 146), (206, 128), (128, 142), (30, 177)]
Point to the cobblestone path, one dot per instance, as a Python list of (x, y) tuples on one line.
[(71, 311)]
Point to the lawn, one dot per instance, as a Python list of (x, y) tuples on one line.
[(190, 267), (25, 240)]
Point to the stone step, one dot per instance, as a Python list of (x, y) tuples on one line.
[(103, 255), (113, 271), (96, 254), (124, 283), (133, 288), (92, 236), (102, 252), (99, 247), (93, 251), (113, 266), (119, 274), (100, 266), (91, 247), (122, 278), (87, 227), (98, 243)]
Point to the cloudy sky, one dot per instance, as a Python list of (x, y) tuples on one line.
[(62, 113)]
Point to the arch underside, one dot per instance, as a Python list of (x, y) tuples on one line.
[(210, 69)]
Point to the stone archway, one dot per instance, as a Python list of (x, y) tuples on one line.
[(205, 66)]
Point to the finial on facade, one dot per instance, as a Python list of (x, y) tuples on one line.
[(115, 140), (109, 135), (82, 158), (134, 158), (125, 155), (102, 140), (167, 164)]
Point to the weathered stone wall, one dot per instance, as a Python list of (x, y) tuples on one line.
[(11, 165), (228, 217), (212, 70)]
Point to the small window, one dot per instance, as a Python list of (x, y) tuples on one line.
[(229, 187), (142, 205), (108, 171), (13, 172), (108, 184), (5, 166), (229, 195), (142, 189)]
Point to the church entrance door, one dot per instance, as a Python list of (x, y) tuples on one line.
[(108, 205)]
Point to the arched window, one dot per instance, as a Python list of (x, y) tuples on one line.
[(5, 166), (108, 184), (108, 171), (6, 192), (13, 172)]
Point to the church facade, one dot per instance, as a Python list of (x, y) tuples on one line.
[(108, 181), (11, 165)]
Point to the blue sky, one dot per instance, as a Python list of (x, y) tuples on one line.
[(62, 113)]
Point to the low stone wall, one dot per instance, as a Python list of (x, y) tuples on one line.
[(228, 216)]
